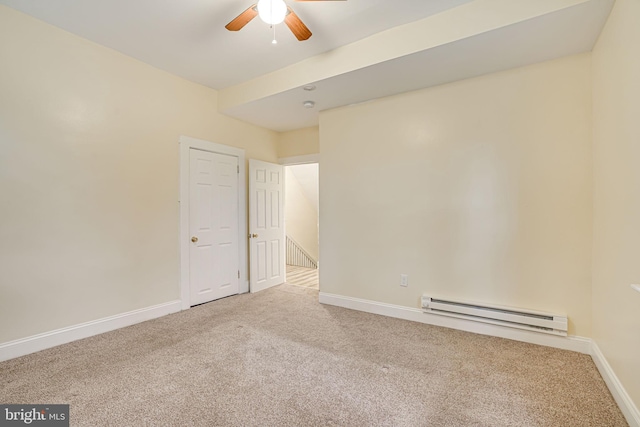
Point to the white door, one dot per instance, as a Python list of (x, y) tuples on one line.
[(213, 226), (266, 225)]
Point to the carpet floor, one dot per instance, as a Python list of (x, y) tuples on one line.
[(279, 358)]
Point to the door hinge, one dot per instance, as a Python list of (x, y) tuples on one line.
[(238, 274), (238, 167)]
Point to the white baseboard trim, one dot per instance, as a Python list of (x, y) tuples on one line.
[(622, 398), (24, 346), (573, 343)]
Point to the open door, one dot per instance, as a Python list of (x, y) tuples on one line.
[(266, 225)]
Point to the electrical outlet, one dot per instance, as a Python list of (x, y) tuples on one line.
[(404, 280)]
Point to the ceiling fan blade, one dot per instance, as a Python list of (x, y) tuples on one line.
[(242, 19), (296, 26)]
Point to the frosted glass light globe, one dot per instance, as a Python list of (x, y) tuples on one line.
[(272, 11)]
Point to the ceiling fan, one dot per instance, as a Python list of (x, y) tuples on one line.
[(273, 12)]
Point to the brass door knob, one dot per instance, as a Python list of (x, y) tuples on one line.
[(194, 239), (254, 236)]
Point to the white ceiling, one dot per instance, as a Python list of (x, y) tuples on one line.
[(188, 38)]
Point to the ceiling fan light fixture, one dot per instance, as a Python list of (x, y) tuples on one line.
[(272, 11)]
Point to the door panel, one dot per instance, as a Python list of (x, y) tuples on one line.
[(261, 262), (276, 271), (213, 224), (266, 224)]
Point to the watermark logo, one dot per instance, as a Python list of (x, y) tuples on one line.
[(34, 415)]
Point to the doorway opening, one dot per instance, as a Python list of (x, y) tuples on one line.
[(301, 217)]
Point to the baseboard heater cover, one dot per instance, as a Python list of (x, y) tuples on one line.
[(537, 321)]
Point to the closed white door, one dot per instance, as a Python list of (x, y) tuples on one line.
[(213, 225), (266, 225)]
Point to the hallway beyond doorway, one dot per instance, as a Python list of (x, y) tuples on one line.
[(302, 276)]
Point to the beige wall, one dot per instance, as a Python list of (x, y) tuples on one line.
[(479, 189), (299, 142), (300, 215), (89, 176), (616, 260)]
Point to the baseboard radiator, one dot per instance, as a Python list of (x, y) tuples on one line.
[(505, 316), (298, 256)]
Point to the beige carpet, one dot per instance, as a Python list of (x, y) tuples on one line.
[(278, 358)]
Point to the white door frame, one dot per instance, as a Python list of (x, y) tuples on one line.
[(186, 144), (299, 160)]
